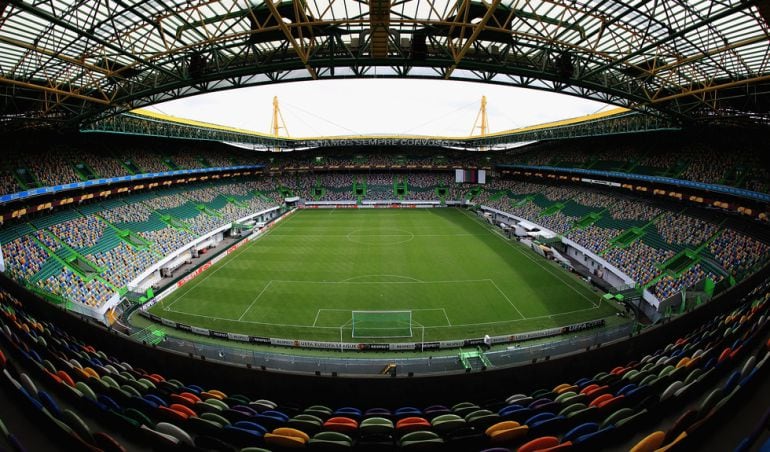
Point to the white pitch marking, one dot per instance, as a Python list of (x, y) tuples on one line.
[(255, 299), (506, 298)]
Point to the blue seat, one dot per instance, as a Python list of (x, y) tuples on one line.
[(407, 411), (348, 412), (625, 389), (538, 417), (580, 430), (594, 440), (507, 409), (732, 381), (155, 399), (547, 427), (253, 426), (49, 403)]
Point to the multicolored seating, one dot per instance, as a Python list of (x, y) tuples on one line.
[(706, 368)]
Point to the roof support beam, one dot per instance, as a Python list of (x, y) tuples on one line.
[(287, 32), (55, 20), (53, 90), (476, 31), (712, 88), (672, 36)]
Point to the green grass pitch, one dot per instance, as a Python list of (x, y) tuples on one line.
[(305, 277)]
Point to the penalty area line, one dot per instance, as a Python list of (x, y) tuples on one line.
[(255, 299)]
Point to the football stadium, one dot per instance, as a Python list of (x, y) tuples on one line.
[(175, 277)]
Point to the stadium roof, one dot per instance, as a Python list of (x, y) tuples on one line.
[(76, 61)]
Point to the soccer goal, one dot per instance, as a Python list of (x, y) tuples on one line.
[(381, 324)]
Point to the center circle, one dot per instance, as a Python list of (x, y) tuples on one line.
[(377, 236)]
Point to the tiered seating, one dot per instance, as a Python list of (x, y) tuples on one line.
[(706, 368), (122, 263), (82, 232), (738, 253), (594, 238), (72, 287), (147, 161), (23, 257), (681, 229), (668, 285), (55, 169), (637, 260), (8, 183)]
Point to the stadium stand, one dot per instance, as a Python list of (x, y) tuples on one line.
[(707, 369)]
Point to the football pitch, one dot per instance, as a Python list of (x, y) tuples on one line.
[(439, 274)]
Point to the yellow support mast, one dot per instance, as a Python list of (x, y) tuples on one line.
[(278, 122), (481, 122)]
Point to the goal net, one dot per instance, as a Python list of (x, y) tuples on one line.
[(381, 324)]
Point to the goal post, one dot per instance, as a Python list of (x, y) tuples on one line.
[(381, 324)]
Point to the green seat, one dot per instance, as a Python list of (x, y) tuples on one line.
[(448, 422), (215, 418), (217, 403), (582, 413), (481, 419), (421, 439), (203, 426), (330, 441), (203, 407), (564, 395), (577, 398), (464, 408), (709, 402), (139, 417), (77, 425), (323, 412), (86, 390), (566, 411), (631, 419), (376, 426), (615, 417), (306, 422)]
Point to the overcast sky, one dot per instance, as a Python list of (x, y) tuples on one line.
[(355, 107)]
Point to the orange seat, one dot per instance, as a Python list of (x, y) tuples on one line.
[(508, 435), (500, 426), (211, 395), (218, 393), (284, 442), (650, 443), (91, 373), (287, 438)]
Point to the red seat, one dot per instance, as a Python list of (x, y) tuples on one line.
[(544, 442), (341, 424), (600, 399), (413, 423)]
